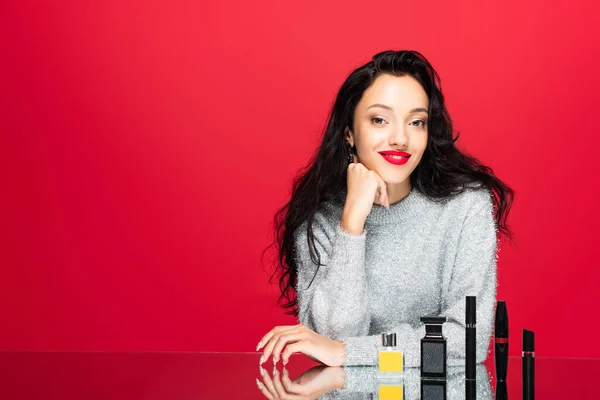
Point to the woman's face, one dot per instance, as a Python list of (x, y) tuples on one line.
[(390, 127)]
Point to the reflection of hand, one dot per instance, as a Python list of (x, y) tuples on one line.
[(300, 339), (310, 385)]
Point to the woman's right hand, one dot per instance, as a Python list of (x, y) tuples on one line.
[(365, 187)]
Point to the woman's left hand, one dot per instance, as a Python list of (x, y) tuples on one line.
[(300, 339)]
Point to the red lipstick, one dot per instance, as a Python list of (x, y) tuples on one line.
[(395, 157)]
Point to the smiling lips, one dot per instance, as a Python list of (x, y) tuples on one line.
[(395, 157)]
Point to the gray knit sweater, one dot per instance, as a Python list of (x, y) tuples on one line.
[(420, 257)]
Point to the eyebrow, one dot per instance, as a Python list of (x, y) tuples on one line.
[(390, 108)]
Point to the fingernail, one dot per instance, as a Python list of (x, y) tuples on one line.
[(284, 362), (262, 360), (258, 384), (274, 371), (261, 370), (275, 361), (258, 346)]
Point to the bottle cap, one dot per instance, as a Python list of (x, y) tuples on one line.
[(501, 323), (471, 310), (528, 340), (433, 325), (388, 339)]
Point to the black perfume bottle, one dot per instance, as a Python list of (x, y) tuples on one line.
[(433, 349)]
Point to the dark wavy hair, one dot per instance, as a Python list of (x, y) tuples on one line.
[(443, 171)]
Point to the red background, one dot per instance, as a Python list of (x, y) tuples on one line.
[(147, 144)]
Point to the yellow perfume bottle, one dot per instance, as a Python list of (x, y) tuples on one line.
[(391, 360)]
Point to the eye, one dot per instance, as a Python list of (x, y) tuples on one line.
[(375, 119), (419, 121)]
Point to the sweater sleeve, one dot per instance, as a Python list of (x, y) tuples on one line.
[(473, 274), (332, 299)]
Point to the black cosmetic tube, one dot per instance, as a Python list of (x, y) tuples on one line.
[(501, 390), (470, 336), (501, 341), (528, 366), (470, 389)]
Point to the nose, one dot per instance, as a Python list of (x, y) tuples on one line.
[(398, 137)]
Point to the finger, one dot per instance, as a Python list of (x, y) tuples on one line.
[(264, 390), (382, 189), (270, 334), (281, 392), (271, 339), (284, 340), (277, 385), (290, 386), (298, 347), (380, 197), (268, 384), (268, 351)]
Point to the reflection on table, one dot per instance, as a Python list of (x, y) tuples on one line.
[(168, 375), (363, 383)]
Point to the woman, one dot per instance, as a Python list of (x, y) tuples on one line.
[(389, 222)]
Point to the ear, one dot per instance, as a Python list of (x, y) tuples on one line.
[(349, 136)]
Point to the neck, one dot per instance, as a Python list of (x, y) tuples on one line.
[(404, 202), (398, 191)]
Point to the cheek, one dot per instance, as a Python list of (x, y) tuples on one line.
[(420, 143), (366, 139)]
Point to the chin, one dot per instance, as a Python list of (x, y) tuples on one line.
[(394, 179), (395, 175)]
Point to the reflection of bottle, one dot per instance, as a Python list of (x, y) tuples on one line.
[(363, 382), (391, 360), (433, 389), (391, 391)]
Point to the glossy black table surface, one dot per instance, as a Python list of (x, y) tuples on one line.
[(168, 375)]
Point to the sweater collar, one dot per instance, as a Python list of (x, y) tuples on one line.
[(413, 203)]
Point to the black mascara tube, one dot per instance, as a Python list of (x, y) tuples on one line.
[(501, 341), (501, 390)]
